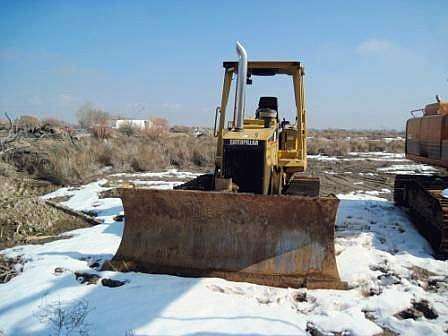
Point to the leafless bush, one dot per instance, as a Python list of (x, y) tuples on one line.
[(327, 147), (180, 129), (160, 124), (4, 124), (128, 129), (65, 318), (90, 116), (27, 123), (396, 146), (359, 145), (101, 132), (60, 162), (54, 123)]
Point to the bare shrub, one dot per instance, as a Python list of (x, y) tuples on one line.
[(359, 146), (65, 318), (180, 129), (147, 153), (161, 124), (27, 123), (101, 132), (327, 147), (396, 146), (60, 162), (158, 128), (90, 116), (128, 129), (54, 123), (147, 158), (4, 124), (317, 146), (65, 164), (105, 154)]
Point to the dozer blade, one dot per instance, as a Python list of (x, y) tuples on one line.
[(284, 241)]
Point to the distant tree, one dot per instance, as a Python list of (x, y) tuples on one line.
[(89, 116), (160, 125)]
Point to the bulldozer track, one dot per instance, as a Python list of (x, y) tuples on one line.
[(427, 207)]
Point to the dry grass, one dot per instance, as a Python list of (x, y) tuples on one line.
[(328, 147), (147, 152), (64, 162), (24, 218), (334, 133), (336, 142)]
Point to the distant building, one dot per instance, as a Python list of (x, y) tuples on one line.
[(137, 123)]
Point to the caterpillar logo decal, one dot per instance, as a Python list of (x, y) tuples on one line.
[(244, 142)]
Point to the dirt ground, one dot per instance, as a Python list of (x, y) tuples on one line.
[(24, 218), (344, 176)]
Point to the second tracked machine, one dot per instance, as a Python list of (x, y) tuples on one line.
[(424, 195), (257, 218)]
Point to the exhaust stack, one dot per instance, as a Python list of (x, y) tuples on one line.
[(240, 99)]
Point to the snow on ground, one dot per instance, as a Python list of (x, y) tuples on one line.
[(322, 157), (169, 174), (378, 155), (361, 156), (378, 254), (393, 139), (413, 168)]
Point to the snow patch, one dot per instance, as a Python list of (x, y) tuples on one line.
[(409, 169)]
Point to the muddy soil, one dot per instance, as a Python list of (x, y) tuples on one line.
[(345, 176)]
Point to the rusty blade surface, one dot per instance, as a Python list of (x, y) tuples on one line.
[(272, 240)]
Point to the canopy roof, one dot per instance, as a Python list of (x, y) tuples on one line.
[(267, 68)]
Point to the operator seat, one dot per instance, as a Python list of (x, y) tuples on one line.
[(267, 107)]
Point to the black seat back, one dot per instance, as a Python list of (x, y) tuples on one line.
[(268, 102)]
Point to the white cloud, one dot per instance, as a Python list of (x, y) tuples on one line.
[(374, 46)]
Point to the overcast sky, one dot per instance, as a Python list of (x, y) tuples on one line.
[(367, 62)]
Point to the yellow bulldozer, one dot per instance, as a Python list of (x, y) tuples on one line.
[(258, 218)]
